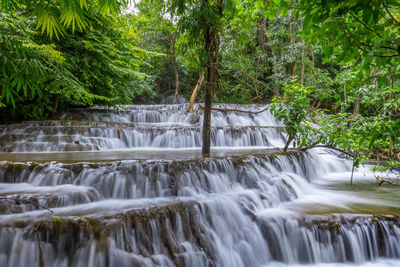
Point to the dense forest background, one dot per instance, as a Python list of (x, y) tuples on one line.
[(334, 63)]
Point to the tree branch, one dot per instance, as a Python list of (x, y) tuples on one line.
[(383, 47), (380, 182), (365, 25), (358, 44), (15, 200), (384, 16), (390, 14), (393, 55), (352, 36)]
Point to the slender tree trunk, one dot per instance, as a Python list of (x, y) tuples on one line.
[(212, 47), (352, 173), (303, 64), (357, 105), (303, 58), (277, 93), (56, 103), (173, 58), (262, 31), (257, 67), (196, 90), (292, 66), (211, 44), (290, 139), (390, 117), (261, 43)]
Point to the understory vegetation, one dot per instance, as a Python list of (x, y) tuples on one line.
[(332, 68)]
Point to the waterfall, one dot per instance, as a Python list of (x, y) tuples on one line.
[(128, 186)]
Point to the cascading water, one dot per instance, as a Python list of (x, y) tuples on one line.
[(129, 187)]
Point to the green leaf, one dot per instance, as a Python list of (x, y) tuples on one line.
[(57, 219)]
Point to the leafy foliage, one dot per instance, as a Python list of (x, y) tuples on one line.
[(32, 69), (353, 135), (55, 17), (359, 92), (57, 219), (100, 65), (365, 31), (292, 109), (332, 67)]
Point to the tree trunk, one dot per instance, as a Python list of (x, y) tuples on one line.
[(303, 58), (212, 47), (173, 58), (290, 139), (196, 90), (261, 42), (56, 102), (390, 117), (277, 93), (303, 64), (357, 105), (262, 31), (292, 66)]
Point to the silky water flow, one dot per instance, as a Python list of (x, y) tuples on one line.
[(129, 187)]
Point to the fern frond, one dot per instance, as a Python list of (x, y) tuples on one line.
[(47, 21)]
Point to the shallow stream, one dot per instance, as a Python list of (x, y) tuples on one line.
[(129, 187)]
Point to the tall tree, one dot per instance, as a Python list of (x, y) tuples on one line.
[(202, 20), (176, 72)]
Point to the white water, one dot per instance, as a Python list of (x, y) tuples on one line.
[(243, 206)]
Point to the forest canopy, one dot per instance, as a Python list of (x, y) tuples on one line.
[(345, 55)]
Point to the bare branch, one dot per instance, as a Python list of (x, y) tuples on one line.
[(394, 55), (380, 182), (365, 25), (390, 14), (16, 200), (358, 44), (384, 16), (382, 47)]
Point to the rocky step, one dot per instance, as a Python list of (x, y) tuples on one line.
[(23, 197), (36, 125), (132, 116), (223, 115), (144, 153), (273, 177), (70, 126), (86, 138), (166, 234), (187, 233), (339, 238), (176, 107)]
